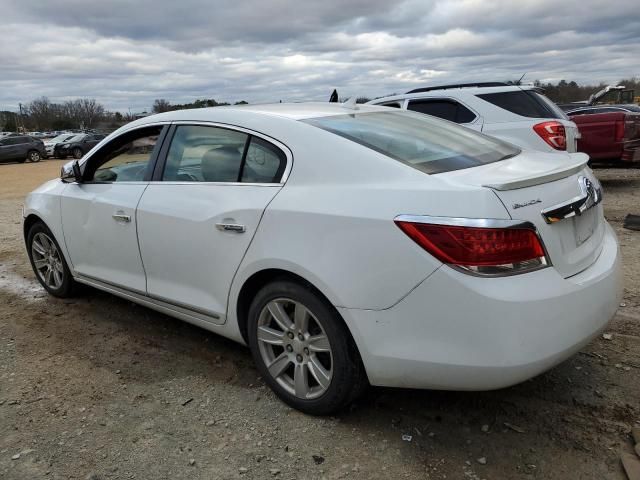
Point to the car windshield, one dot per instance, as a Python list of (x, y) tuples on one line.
[(425, 143), (75, 138)]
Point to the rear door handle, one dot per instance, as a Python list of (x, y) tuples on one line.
[(121, 217), (231, 227)]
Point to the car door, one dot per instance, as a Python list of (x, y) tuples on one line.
[(199, 215), (99, 215), (447, 109), (9, 148)]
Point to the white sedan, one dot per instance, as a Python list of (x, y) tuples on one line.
[(346, 245)]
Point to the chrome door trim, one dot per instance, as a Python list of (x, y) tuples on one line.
[(158, 303)]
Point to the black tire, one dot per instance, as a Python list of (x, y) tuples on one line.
[(348, 380), (34, 156), (77, 153), (68, 285)]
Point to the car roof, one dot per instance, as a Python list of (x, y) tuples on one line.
[(294, 111), (450, 91)]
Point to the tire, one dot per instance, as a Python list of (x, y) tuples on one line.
[(34, 156), (329, 380), (77, 153), (43, 247)]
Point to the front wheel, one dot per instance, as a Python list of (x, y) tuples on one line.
[(34, 156), (303, 349), (48, 263), (77, 153)]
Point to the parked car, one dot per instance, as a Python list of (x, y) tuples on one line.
[(519, 114), (51, 143), (77, 146), (609, 132), (21, 148), (343, 245)]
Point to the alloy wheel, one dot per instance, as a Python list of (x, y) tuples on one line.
[(34, 156), (295, 348), (47, 260)]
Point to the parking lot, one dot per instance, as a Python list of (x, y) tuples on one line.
[(97, 387)]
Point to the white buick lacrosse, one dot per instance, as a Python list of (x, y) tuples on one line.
[(346, 245)]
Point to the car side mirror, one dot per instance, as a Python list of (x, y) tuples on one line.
[(71, 172)]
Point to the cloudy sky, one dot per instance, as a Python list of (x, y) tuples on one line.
[(127, 53)]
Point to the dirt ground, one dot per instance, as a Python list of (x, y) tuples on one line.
[(99, 388)]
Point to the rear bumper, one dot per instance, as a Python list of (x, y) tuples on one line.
[(459, 332)]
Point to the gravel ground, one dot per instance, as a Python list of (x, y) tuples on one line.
[(99, 388)]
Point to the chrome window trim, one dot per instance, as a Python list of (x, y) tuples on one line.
[(482, 223), (228, 126)]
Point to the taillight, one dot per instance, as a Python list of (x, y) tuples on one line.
[(553, 133), (491, 250)]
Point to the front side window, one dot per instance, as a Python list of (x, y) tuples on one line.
[(214, 154), (124, 159), (420, 141)]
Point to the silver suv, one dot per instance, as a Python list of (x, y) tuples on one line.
[(519, 114)]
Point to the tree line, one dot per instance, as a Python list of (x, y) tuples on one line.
[(86, 113)]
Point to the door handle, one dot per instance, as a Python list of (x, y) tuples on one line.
[(121, 217), (231, 227)]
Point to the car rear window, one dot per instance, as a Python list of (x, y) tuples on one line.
[(422, 142), (527, 103)]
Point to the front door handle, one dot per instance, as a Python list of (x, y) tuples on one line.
[(121, 217), (231, 227)]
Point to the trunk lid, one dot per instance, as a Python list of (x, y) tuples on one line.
[(542, 189)]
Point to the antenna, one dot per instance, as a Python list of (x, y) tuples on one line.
[(519, 82), (350, 103)]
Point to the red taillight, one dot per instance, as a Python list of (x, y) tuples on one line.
[(553, 133), (479, 249)]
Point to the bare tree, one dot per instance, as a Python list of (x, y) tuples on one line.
[(161, 105), (90, 112), (40, 112)]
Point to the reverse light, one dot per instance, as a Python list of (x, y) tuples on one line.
[(553, 133), (490, 250)]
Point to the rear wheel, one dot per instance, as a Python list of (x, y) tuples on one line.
[(34, 156), (48, 263), (303, 349), (77, 153)]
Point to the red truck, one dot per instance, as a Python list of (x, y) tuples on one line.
[(609, 132)]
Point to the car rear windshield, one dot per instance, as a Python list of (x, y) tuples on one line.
[(420, 141), (527, 103)]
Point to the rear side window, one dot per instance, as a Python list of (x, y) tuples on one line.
[(420, 141), (214, 154), (15, 140), (526, 103), (445, 109)]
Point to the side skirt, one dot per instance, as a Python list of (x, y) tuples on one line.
[(208, 322)]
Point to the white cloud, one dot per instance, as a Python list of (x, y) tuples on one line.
[(126, 54)]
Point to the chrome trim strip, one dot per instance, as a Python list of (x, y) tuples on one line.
[(143, 298), (466, 222), (590, 197)]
